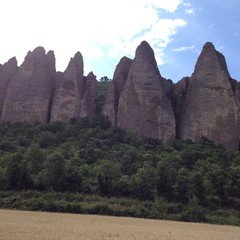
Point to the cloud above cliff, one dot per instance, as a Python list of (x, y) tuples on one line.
[(104, 31), (99, 29)]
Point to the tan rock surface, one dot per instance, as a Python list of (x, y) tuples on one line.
[(110, 107), (143, 107), (66, 102), (210, 109), (29, 93), (7, 71), (88, 101)]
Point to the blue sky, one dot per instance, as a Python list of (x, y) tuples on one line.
[(104, 31)]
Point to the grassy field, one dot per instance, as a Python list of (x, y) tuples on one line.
[(22, 225)]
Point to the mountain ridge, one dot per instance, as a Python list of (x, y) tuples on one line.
[(139, 99)]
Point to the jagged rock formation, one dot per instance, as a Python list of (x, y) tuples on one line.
[(75, 96), (139, 99), (29, 93), (143, 108), (66, 103), (7, 71), (110, 107), (209, 109), (88, 101), (178, 99)]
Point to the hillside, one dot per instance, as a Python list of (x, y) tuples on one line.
[(61, 167)]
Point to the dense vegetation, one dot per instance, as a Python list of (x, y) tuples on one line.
[(89, 167), (92, 158)]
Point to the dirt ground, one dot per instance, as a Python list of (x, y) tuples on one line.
[(23, 225)]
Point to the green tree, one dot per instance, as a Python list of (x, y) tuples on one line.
[(108, 177), (16, 174), (162, 206), (55, 171), (183, 185), (35, 158), (194, 211), (142, 184)]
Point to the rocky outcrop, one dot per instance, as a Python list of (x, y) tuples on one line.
[(139, 99), (143, 108), (110, 107), (29, 93), (66, 102), (7, 71), (88, 100), (75, 95), (210, 109), (178, 100)]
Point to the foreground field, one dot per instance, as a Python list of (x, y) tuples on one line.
[(16, 225)]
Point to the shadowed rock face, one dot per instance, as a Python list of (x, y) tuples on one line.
[(110, 107), (88, 101), (66, 102), (7, 71), (143, 107), (210, 109), (29, 93)]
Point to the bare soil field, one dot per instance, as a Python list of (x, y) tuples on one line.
[(23, 225)]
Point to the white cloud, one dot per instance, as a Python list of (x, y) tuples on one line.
[(98, 29), (181, 49), (168, 5), (187, 4), (190, 11)]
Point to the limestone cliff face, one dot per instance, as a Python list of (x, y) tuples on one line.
[(7, 71), (110, 107), (178, 100), (210, 109), (88, 100), (29, 93), (66, 102), (143, 107), (75, 95)]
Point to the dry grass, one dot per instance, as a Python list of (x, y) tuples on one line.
[(20, 225)]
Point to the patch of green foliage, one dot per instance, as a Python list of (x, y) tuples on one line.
[(180, 180)]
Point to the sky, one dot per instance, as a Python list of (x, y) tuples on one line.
[(106, 30)]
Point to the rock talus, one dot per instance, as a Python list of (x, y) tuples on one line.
[(209, 109)]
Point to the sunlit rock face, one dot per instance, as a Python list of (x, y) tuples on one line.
[(143, 107), (75, 95), (66, 102), (210, 109), (30, 91)]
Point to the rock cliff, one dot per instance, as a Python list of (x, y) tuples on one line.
[(75, 95), (7, 71), (210, 109), (143, 107), (67, 99), (88, 100), (29, 93), (110, 107), (139, 99)]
